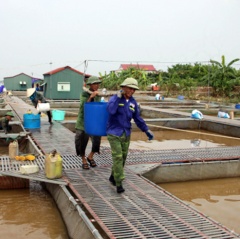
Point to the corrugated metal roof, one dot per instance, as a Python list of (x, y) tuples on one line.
[(63, 68), (22, 74)]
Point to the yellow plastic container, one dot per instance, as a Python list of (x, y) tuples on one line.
[(13, 149), (53, 165)]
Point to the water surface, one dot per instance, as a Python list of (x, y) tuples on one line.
[(216, 198), (30, 214)]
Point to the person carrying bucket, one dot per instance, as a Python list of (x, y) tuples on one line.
[(4, 122), (36, 98), (122, 108), (81, 137)]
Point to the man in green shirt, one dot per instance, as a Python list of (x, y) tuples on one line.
[(81, 137), (4, 122)]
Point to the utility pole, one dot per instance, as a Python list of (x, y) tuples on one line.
[(50, 82)]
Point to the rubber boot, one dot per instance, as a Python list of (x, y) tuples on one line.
[(112, 180), (120, 189)]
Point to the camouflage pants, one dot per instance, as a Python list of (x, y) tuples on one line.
[(119, 148)]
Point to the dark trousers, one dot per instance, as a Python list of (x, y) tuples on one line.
[(49, 114), (81, 141)]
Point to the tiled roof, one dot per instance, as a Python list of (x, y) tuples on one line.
[(138, 66), (63, 68)]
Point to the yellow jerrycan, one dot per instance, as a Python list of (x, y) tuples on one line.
[(53, 165), (13, 149)]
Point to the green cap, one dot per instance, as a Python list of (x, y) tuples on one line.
[(9, 114), (93, 80), (131, 83)]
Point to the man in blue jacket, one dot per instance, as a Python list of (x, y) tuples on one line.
[(122, 108)]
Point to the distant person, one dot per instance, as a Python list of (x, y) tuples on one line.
[(36, 98), (4, 122), (37, 87), (81, 137), (122, 108)]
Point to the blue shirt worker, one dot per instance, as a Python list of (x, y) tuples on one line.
[(36, 98), (4, 122), (122, 108), (37, 87), (81, 137)]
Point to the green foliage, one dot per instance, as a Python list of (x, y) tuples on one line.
[(113, 80), (223, 77), (184, 78)]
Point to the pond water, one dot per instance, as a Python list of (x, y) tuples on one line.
[(177, 139), (173, 139), (218, 198), (30, 214)]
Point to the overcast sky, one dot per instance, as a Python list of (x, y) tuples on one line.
[(36, 33)]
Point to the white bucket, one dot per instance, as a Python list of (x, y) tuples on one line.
[(43, 107)]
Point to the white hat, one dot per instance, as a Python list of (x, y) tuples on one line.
[(30, 91)]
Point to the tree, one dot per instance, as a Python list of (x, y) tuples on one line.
[(188, 85), (171, 82), (222, 76), (114, 79)]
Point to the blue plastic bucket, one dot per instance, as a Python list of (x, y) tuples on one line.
[(1, 88), (31, 121), (95, 118), (237, 106), (58, 114)]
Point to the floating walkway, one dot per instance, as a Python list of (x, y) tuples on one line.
[(144, 210)]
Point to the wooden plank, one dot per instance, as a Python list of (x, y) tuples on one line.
[(13, 135)]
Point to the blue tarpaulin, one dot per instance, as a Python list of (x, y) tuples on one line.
[(1, 88)]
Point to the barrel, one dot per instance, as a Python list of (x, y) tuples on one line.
[(95, 118), (31, 121)]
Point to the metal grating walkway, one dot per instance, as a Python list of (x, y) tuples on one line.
[(71, 161), (143, 211)]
